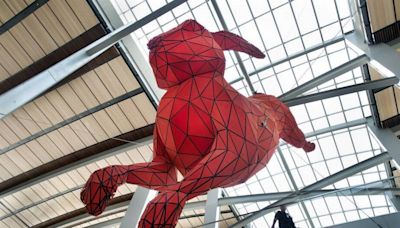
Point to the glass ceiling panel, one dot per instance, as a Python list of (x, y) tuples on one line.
[(334, 152), (281, 28)]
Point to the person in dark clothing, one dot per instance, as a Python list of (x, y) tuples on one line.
[(285, 220)]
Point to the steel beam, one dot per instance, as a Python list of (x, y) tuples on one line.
[(212, 209), (359, 167), (80, 216), (393, 198), (32, 88), (390, 220), (107, 224), (73, 119), (137, 206), (106, 10), (381, 83), (195, 205), (337, 127), (122, 206), (296, 189), (370, 94), (369, 163), (387, 138), (22, 15), (364, 20), (240, 61), (115, 221), (14, 214), (77, 164), (335, 72), (231, 207), (254, 198), (298, 54), (74, 45), (123, 31), (236, 80), (221, 201), (42, 201)]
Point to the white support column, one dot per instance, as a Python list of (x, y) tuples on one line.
[(136, 207), (130, 46), (212, 209)]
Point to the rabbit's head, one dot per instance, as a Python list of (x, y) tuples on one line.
[(189, 50)]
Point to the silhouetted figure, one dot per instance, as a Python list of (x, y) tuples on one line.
[(285, 220)]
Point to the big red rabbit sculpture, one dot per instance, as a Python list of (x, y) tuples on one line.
[(212, 134)]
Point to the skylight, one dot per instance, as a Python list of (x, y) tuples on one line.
[(281, 28)]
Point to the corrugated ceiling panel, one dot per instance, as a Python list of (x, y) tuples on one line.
[(53, 25), (65, 14), (42, 32), (94, 88), (77, 135), (84, 13), (62, 183)]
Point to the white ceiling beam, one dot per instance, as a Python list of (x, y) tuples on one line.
[(137, 206), (34, 87), (212, 208), (77, 164), (385, 58), (369, 85), (298, 54), (254, 198), (319, 80)]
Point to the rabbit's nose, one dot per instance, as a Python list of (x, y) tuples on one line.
[(153, 42)]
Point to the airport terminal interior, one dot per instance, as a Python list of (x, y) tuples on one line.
[(78, 94)]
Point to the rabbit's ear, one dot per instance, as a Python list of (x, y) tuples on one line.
[(230, 41), (192, 25)]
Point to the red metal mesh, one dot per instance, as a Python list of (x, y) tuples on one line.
[(204, 128)]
